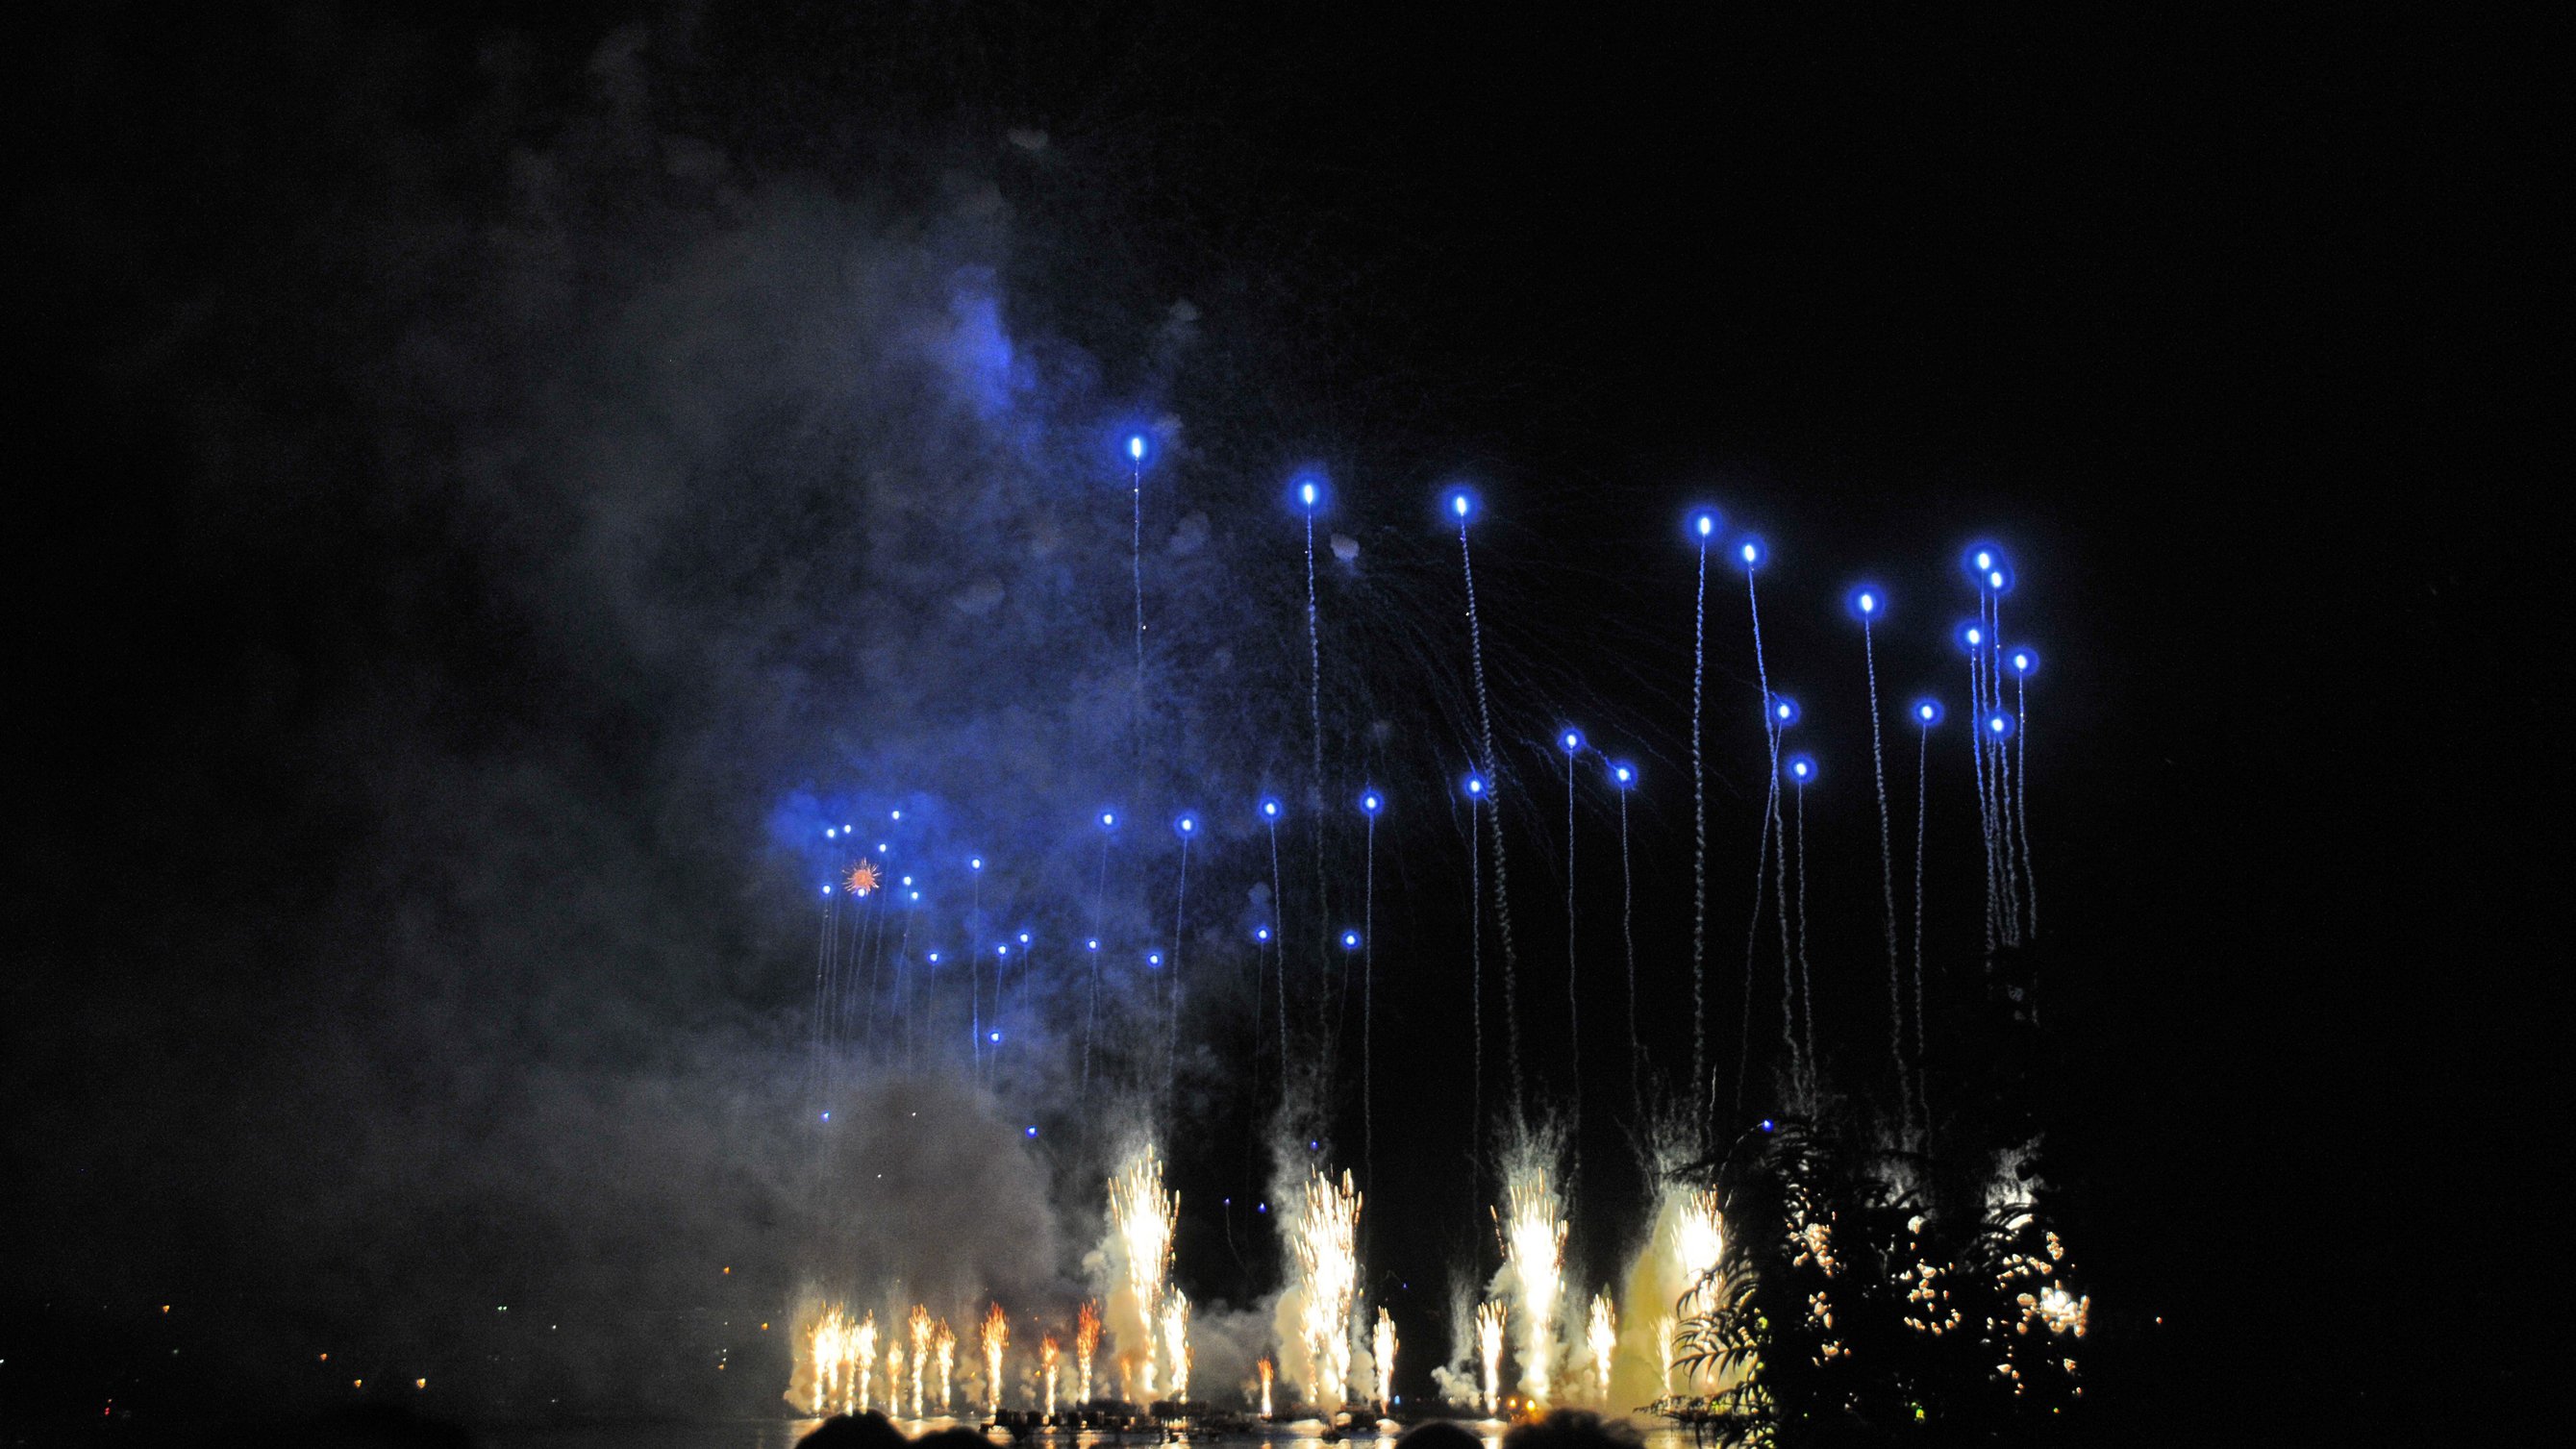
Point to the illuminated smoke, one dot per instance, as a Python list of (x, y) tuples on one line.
[(1323, 1242), (1176, 1341), (1603, 1339), (894, 1380), (1533, 1229), (1489, 1349), (1138, 1252), (1086, 1343), (1682, 1247), (1047, 1353), (946, 1347), (838, 1359), (1268, 1372), (1384, 1358), (997, 1337)]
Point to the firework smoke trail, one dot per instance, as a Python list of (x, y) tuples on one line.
[(1752, 555), (1886, 866), (1279, 946), (2002, 775), (1977, 748), (1922, 804), (1490, 1319), (1172, 983), (997, 1337), (1368, 1003), (1628, 935), (2021, 794), (1048, 1352), (1091, 1005), (1752, 940), (1176, 1341), (1315, 785), (1136, 574), (1573, 1019), (1806, 973), (974, 973), (1476, 987), (1699, 838), (1086, 1345), (1493, 783), (1324, 1244)]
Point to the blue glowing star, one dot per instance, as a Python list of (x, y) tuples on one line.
[(1261, 933), (1784, 711), (1766, 1124), (884, 849), (1461, 504), (1475, 784), (1136, 447), (916, 895), (849, 830), (827, 1116), (1108, 819), (1571, 741), (897, 814), (1927, 712), (1751, 552), (1154, 958), (1310, 493), (1704, 524), (1982, 559), (1623, 772), (1269, 808), (1024, 938), (1972, 636), (1001, 950), (1372, 802), (934, 958), (907, 880), (1350, 940), (974, 862), (2023, 659), (1868, 602), (1801, 768), (996, 1036), (1091, 944), (1998, 581), (1999, 726), (827, 890), (1187, 825), (831, 833), (1030, 1131)]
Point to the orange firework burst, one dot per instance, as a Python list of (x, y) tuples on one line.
[(863, 877)]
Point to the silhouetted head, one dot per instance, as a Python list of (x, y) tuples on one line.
[(1438, 1434), (1573, 1429), (954, 1438), (867, 1431)]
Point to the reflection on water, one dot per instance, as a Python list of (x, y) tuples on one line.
[(783, 1434)]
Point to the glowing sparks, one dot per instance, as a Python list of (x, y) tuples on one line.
[(1324, 1242), (1141, 1214), (1533, 1230), (894, 1380), (1382, 1356), (997, 1337), (1603, 1339), (1086, 1343), (839, 1363), (1176, 1341), (1490, 1318), (1047, 1354), (945, 1345), (1268, 1372), (863, 878), (919, 1323)]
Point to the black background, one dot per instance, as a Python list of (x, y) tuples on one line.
[(2239, 328)]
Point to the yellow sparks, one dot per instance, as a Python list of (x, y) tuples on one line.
[(1383, 1352), (1489, 1347), (1268, 1371), (946, 1346), (1086, 1343), (1176, 1341), (1603, 1338), (1534, 1250), (1324, 1242), (1047, 1352), (920, 1326)]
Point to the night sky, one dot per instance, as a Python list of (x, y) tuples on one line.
[(486, 492)]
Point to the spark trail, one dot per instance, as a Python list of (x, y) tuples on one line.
[(1494, 817), (1868, 603), (1751, 552), (1705, 526), (1315, 781), (1626, 776), (1573, 1018), (2023, 663)]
